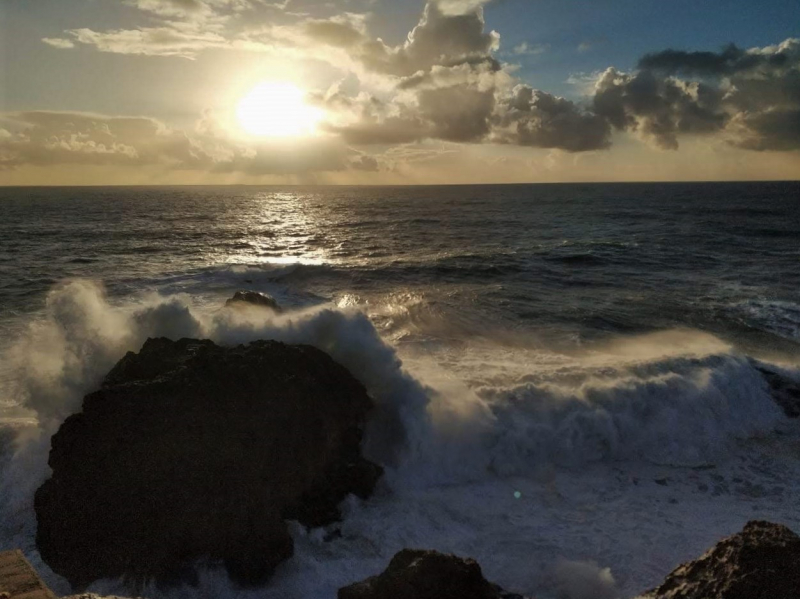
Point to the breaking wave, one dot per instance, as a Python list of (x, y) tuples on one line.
[(473, 414)]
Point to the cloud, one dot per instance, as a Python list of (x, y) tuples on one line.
[(438, 39), (460, 7), (751, 98), (364, 162), (184, 28), (659, 109), (729, 61), (534, 118), (62, 138), (209, 12), (525, 49), (150, 41), (57, 42), (47, 138), (444, 81), (449, 87), (776, 129)]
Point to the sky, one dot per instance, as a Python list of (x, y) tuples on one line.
[(99, 92)]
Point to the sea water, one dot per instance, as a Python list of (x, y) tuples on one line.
[(564, 375)]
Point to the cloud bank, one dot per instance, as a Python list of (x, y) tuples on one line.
[(751, 97), (443, 83), (45, 138)]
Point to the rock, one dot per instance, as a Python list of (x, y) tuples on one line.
[(253, 298), (761, 562), (194, 451), (19, 580), (415, 574), (784, 390)]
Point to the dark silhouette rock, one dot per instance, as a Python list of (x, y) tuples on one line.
[(784, 391), (414, 574), (194, 451), (761, 562), (253, 298)]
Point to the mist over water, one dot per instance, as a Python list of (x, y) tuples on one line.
[(539, 356)]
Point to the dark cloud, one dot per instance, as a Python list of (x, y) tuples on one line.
[(459, 114), (729, 61), (365, 162), (442, 39), (777, 130), (658, 108), (751, 97), (534, 118)]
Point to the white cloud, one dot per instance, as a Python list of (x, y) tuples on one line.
[(150, 41), (460, 7), (525, 49), (57, 42)]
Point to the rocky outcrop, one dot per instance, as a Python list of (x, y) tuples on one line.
[(194, 451), (18, 579), (414, 574), (761, 562), (253, 298)]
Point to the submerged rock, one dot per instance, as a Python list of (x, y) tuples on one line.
[(194, 451), (415, 574), (253, 298), (761, 562)]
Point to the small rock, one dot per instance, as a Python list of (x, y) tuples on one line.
[(415, 574), (253, 298)]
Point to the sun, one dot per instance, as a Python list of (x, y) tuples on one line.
[(277, 109)]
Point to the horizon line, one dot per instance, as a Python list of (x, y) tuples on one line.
[(128, 185)]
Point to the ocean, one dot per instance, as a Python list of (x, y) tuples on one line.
[(571, 369)]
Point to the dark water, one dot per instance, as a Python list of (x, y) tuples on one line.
[(574, 260)]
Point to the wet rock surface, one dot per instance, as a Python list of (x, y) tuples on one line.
[(761, 562), (417, 574), (253, 298), (194, 451)]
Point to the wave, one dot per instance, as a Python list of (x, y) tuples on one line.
[(463, 414), (781, 318)]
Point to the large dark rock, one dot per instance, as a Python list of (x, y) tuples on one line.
[(253, 298), (414, 574), (761, 562), (190, 450)]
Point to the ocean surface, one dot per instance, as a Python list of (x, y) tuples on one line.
[(572, 366)]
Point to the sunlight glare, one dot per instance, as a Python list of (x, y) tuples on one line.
[(277, 109)]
